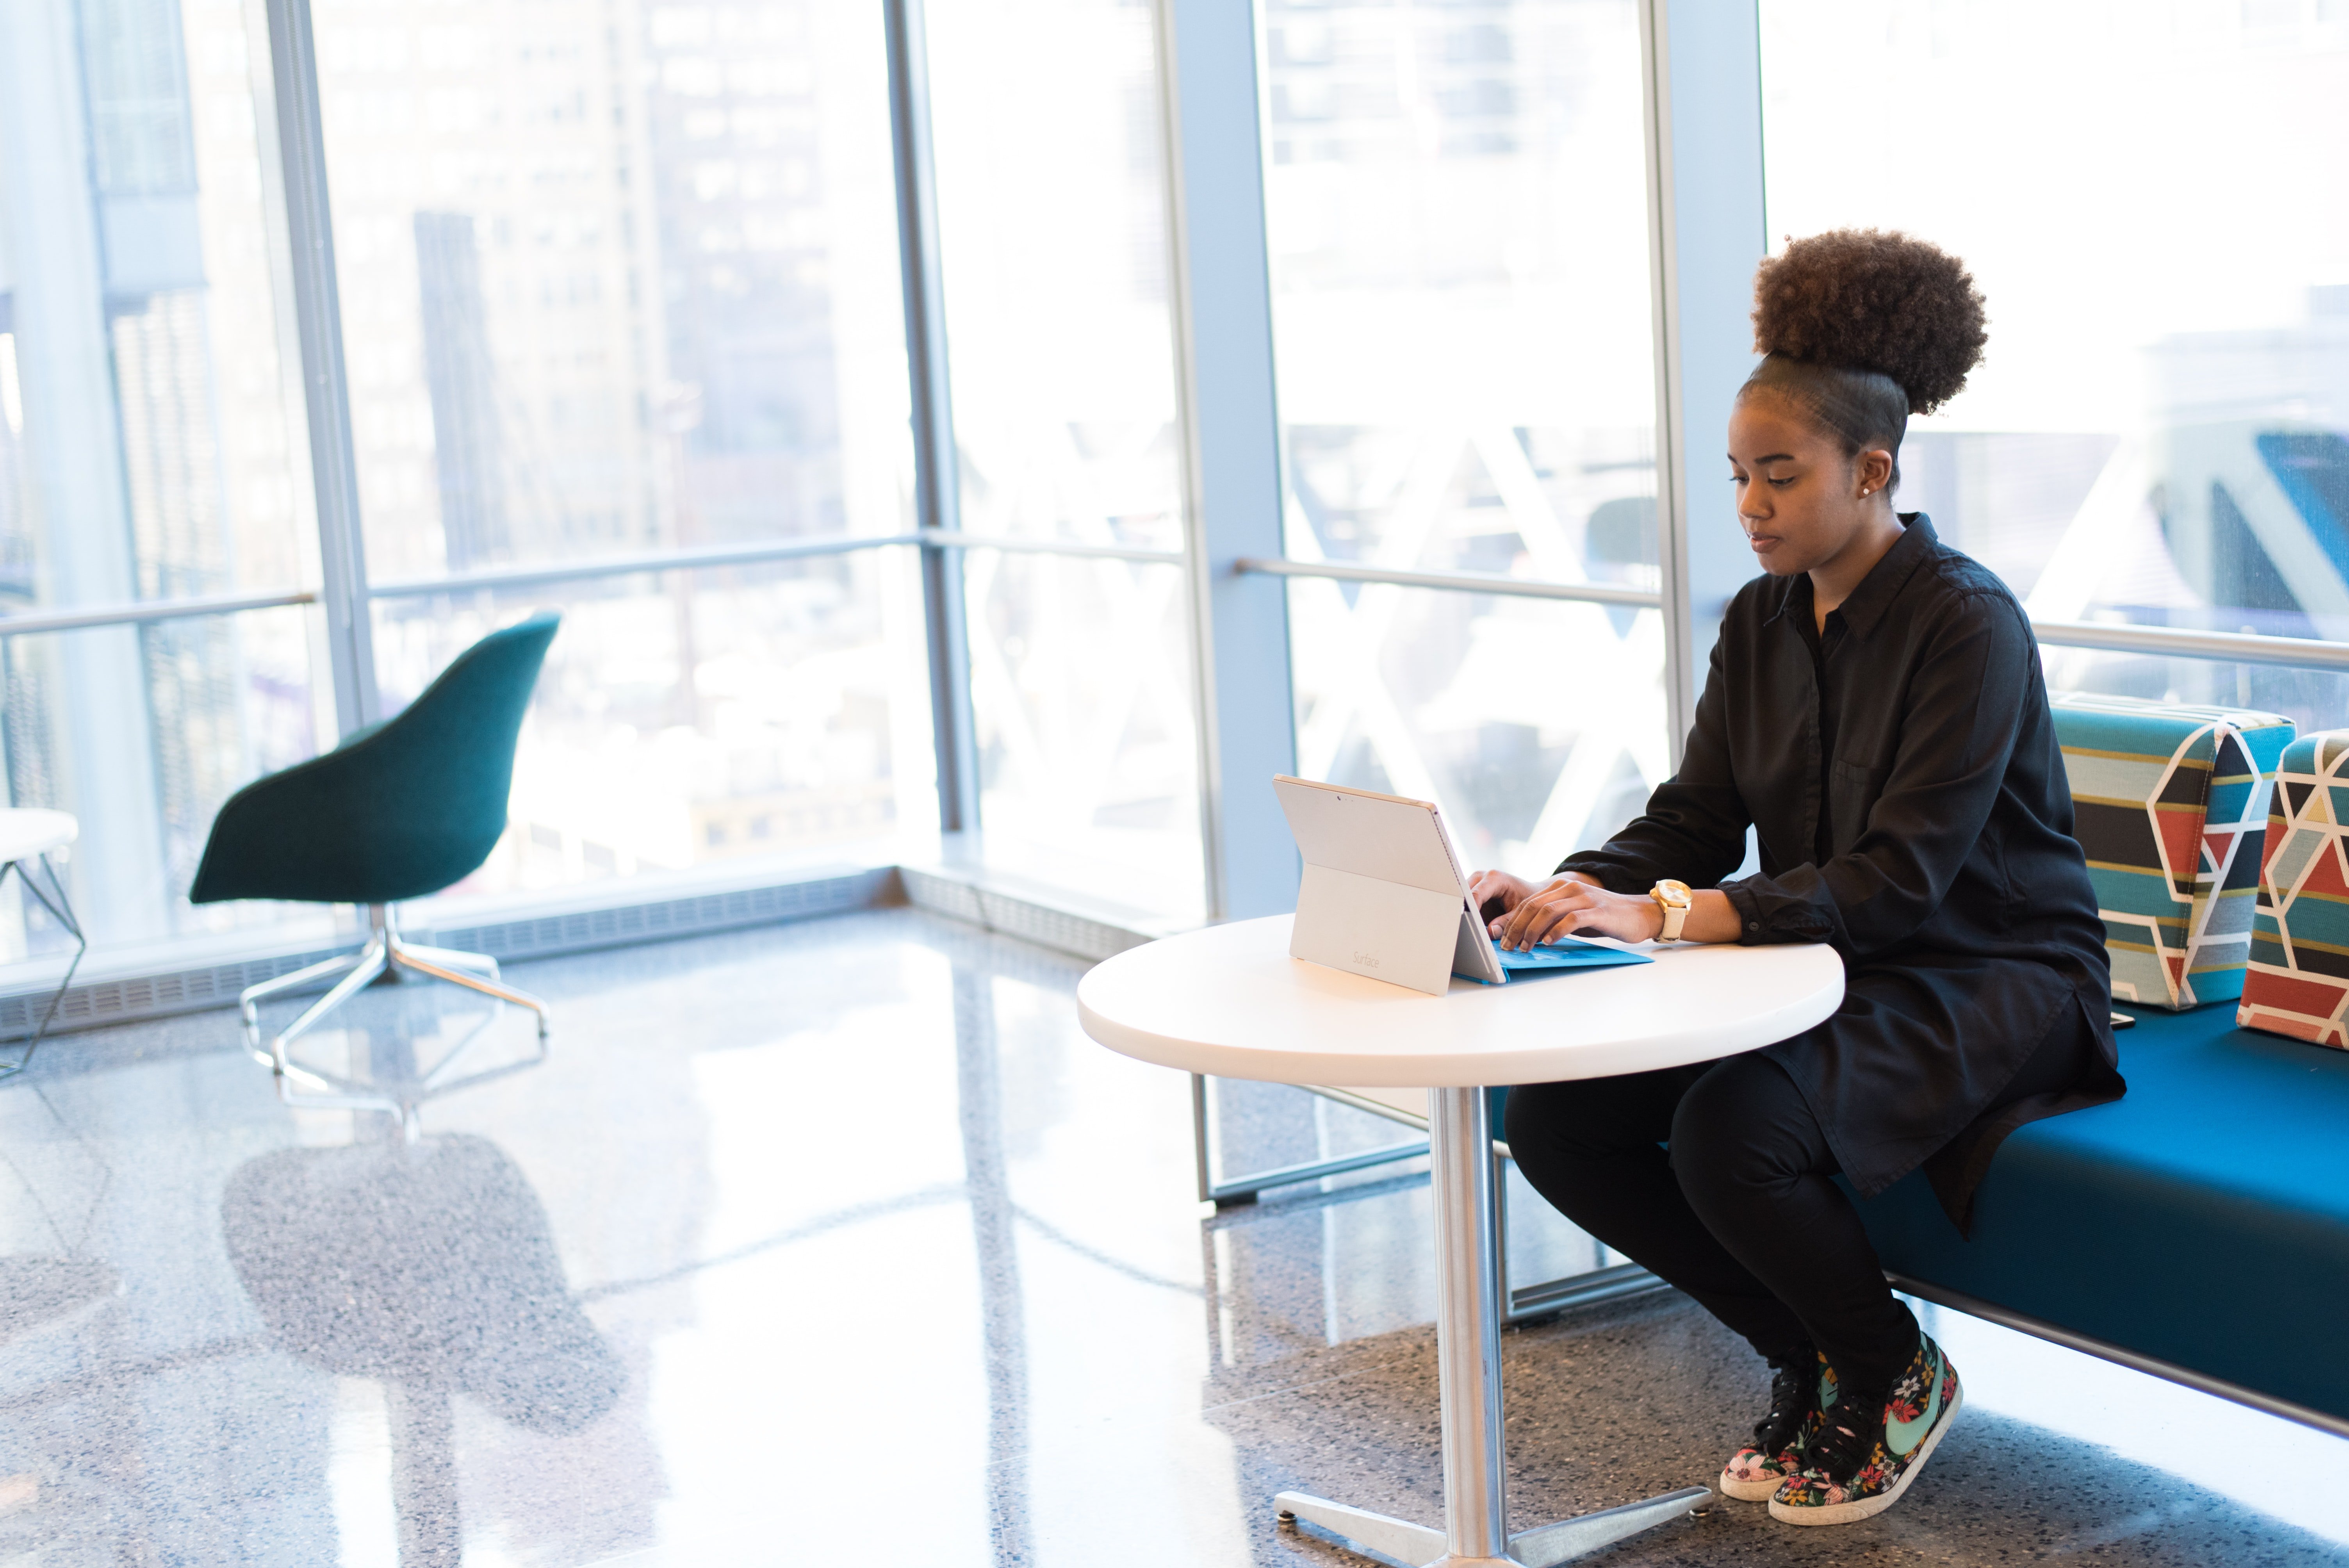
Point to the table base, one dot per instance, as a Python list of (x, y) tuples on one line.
[(1408, 1542), (1468, 1363)]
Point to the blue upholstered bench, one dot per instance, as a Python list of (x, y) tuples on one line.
[(2199, 1228)]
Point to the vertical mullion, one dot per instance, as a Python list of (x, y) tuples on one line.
[(936, 483), (1672, 494), (325, 390), (1707, 230), (1231, 429)]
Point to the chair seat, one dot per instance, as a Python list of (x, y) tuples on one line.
[(2202, 1220)]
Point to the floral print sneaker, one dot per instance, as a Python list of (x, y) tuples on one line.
[(1798, 1391), (1859, 1461)]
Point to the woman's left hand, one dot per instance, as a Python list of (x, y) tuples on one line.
[(1566, 906)]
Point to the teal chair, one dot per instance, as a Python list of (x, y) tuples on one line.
[(400, 809)]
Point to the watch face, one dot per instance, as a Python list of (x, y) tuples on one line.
[(1674, 895)]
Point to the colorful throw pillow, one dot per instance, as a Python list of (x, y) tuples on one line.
[(2299, 977), (2170, 802)]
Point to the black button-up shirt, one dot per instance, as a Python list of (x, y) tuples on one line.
[(1901, 774)]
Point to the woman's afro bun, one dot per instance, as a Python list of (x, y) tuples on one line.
[(1861, 299)]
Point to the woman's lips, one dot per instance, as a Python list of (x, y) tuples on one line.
[(1763, 544)]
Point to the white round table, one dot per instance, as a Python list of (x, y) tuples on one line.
[(1229, 1001), (28, 837)]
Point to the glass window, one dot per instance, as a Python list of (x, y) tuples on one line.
[(1081, 684), (614, 280), (1061, 357), (141, 732), (624, 281), (691, 720), (1458, 698), (2161, 431), (2311, 699), (1060, 344), (150, 431), (1460, 267)]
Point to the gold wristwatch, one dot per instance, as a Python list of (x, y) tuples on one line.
[(1676, 900)]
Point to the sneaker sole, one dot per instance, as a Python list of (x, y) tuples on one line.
[(1748, 1490), (1869, 1507)]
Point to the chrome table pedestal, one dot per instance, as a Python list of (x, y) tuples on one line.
[(1468, 1358)]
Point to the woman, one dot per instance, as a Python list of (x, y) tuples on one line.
[(1875, 710)]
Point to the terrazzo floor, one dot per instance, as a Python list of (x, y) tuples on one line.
[(838, 1243)]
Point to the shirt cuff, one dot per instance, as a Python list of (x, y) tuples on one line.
[(1614, 878), (1751, 925), (1768, 911)]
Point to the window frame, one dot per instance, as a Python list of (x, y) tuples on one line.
[(1701, 67)]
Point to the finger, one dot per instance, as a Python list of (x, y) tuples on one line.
[(1555, 918), (1529, 909), (1490, 893), (1561, 906), (1556, 902), (1586, 911), (1505, 929)]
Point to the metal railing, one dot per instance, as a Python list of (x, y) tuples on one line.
[(752, 554), (2107, 636), (141, 612), (2173, 642), (2227, 647), (1461, 581), (508, 577)]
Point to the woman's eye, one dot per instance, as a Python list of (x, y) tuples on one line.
[(1781, 484)]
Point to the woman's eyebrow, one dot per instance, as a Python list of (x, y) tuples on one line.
[(1769, 457)]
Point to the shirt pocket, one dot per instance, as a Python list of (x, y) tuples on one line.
[(1853, 790)]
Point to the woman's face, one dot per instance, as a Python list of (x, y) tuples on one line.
[(1800, 501)]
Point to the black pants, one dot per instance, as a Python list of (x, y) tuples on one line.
[(1741, 1212)]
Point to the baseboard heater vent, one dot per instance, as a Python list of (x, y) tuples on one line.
[(98, 1003), (698, 914), (1025, 918), (102, 1002)]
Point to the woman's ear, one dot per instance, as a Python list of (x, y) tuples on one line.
[(1872, 471)]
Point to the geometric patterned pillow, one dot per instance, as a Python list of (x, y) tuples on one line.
[(2300, 938), (2170, 803)]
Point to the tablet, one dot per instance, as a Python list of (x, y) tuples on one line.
[(1382, 895)]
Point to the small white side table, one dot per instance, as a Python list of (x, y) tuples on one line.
[(28, 837), (1230, 1001)]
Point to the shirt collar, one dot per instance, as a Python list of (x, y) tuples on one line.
[(1868, 603)]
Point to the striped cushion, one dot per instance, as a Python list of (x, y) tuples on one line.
[(2299, 975), (2172, 806)]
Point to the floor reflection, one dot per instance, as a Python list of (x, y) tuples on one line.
[(841, 1240), (1003, 1330), (430, 1267), (35, 1291)]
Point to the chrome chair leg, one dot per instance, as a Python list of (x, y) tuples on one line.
[(454, 958), (367, 963), (435, 961), (384, 956)]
